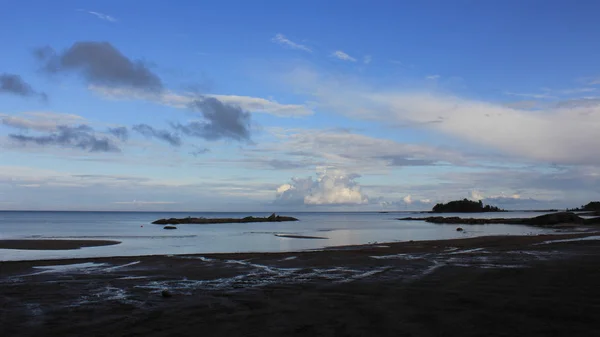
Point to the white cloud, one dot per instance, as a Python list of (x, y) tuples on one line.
[(99, 15), (476, 195), (343, 56), (432, 77), (407, 199), (283, 41), (182, 101), (367, 59), (562, 135), (332, 187)]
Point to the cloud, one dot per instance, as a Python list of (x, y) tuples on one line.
[(407, 199), (120, 132), (40, 121), (367, 59), (562, 135), (342, 56), (164, 135), (332, 187), (432, 77), (283, 41), (183, 101), (81, 137), (14, 84), (297, 148), (100, 63), (222, 121), (529, 95), (99, 15)]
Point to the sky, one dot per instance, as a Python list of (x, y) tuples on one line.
[(298, 105)]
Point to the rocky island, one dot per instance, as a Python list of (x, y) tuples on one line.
[(464, 206), (547, 220), (205, 221)]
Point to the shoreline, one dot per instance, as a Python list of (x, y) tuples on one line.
[(424, 246), (481, 286)]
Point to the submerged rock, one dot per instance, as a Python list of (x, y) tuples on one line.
[(170, 227)]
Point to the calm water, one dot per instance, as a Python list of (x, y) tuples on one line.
[(139, 237)]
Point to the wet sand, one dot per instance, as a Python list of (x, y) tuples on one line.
[(488, 286), (54, 244)]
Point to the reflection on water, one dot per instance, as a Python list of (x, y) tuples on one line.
[(140, 237)]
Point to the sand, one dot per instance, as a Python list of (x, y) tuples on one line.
[(53, 244), (490, 286)]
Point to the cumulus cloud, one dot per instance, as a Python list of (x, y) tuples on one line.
[(332, 187), (81, 137), (342, 56), (99, 63), (221, 121), (281, 40), (164, 135), (15, 85)]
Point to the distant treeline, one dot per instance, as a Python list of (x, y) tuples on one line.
[(464, 206)]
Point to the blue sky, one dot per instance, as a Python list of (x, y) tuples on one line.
[(298, 105)]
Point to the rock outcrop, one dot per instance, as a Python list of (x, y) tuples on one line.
[(203, 221), (547, 220)]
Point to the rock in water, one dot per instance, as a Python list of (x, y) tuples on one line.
[(170, 227), (165, 293), (459, 229)]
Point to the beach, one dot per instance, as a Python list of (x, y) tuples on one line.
[(536, 285)]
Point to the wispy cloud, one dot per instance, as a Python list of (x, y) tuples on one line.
[(284, 41), (432, 77), (367, 59), (529, 95), (182, 101), (99, 15), (343, 56)]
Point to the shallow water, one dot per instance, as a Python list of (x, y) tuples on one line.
[(140, 237)]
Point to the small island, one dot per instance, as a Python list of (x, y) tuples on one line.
[(205, 221), (547, 220), (592, 206), (464, 206)]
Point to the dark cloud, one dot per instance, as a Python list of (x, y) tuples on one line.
[(99, 63), (14, 84), (120, 132), (222, 121), (163, 135), (81, 137)]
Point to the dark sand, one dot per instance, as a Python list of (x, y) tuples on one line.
[(53, 244), (490, 286)]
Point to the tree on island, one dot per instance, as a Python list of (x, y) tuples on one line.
[(591, 206), (464, 206)]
